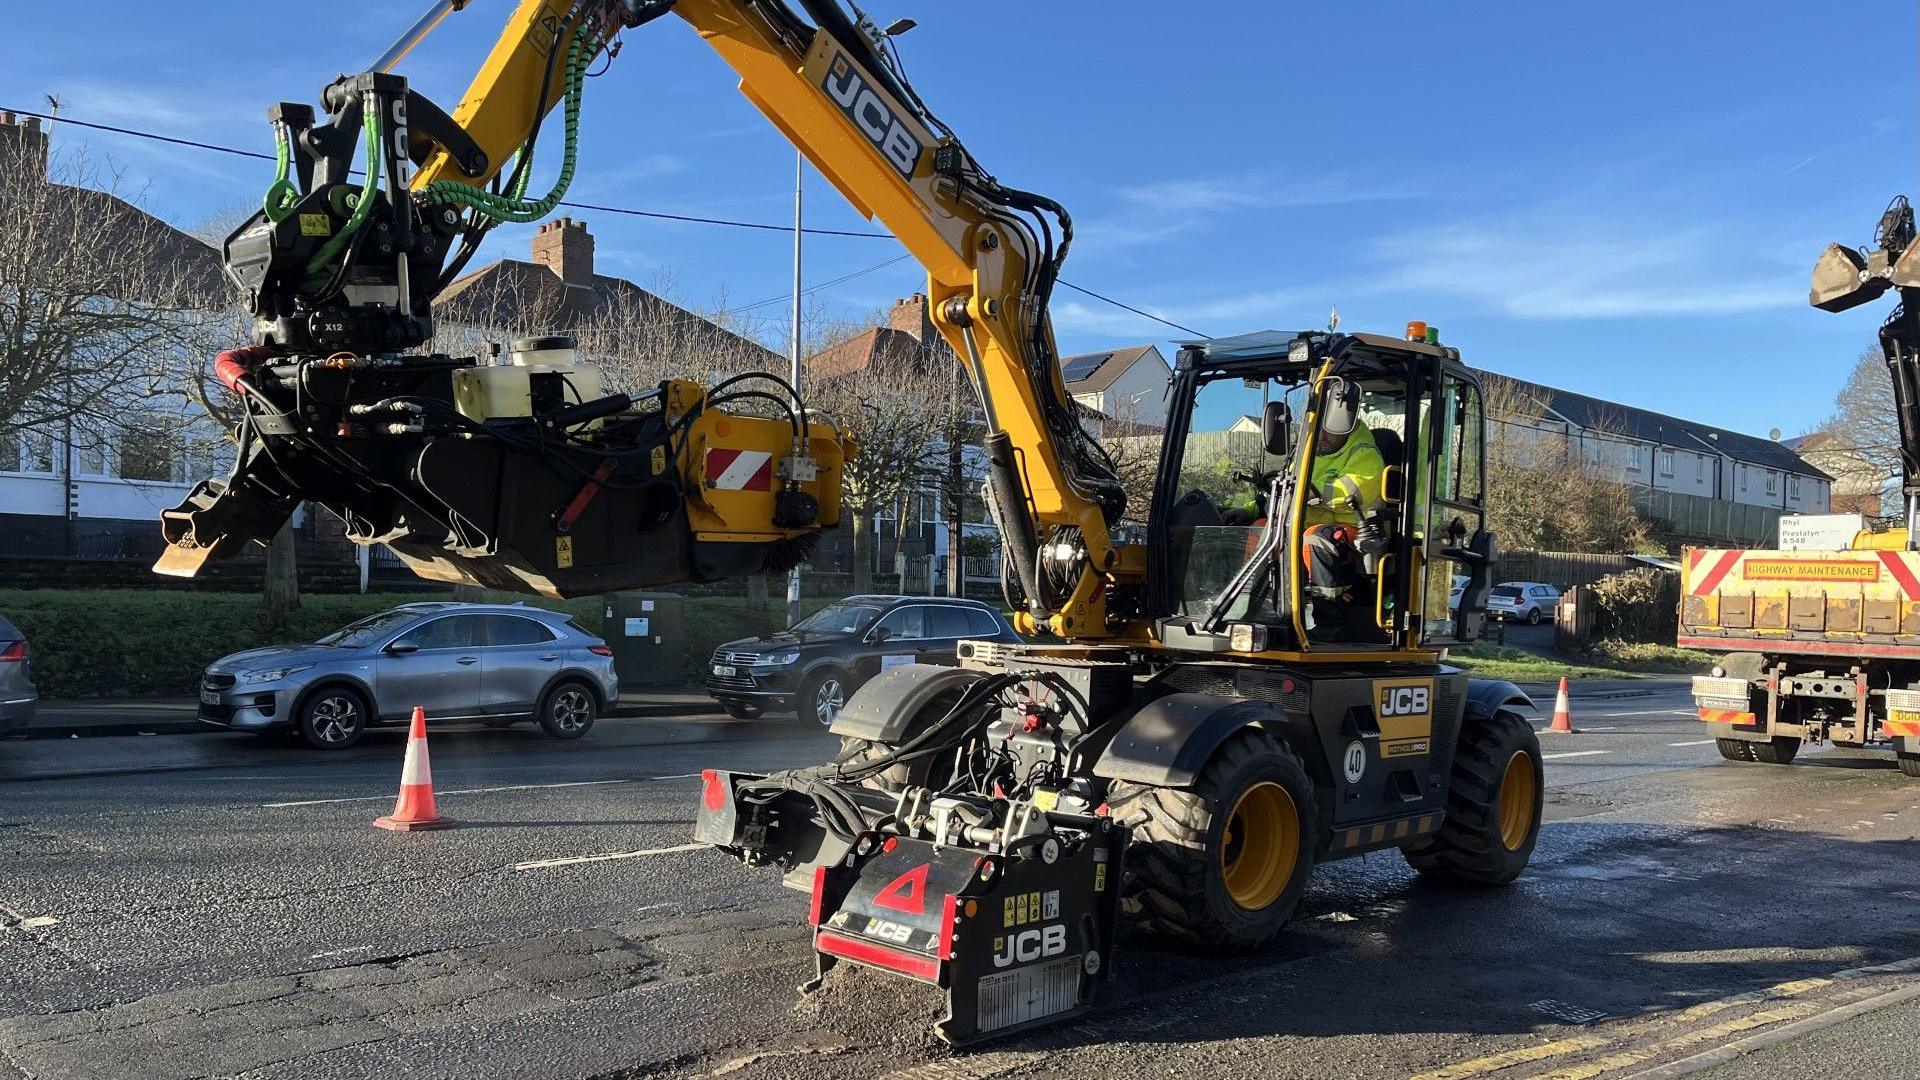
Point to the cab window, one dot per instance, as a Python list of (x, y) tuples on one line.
[(948, 622)]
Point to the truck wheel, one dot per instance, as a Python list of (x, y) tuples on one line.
[(1221, 865), (895, 778), (1493, 805), (1778, 750), (1735, 749), (1910, 764)]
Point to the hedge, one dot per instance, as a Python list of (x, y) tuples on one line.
[(90, 643)]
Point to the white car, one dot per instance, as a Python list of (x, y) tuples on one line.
[(1529, 601)]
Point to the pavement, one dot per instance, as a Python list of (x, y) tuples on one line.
[(219, 906), (59, 718)]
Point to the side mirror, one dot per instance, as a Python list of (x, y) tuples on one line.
[(1276, 429), (400, 648)]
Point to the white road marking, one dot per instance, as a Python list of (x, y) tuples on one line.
[(540, 864), (1573, 753), (340, 952), (1695, 742), (468, 791)]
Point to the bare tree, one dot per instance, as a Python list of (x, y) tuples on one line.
[(95, 295), (1544, 493)]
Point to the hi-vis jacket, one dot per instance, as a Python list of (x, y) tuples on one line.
[(1347, 480)]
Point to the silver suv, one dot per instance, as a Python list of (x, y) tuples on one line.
[(494, 662)]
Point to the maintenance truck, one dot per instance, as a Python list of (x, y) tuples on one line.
[(1824, 646), (1257, 686)]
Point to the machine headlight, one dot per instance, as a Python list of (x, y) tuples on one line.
[(778, 659), (271, 674)]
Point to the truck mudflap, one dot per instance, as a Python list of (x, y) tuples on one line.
[(1016, 935)]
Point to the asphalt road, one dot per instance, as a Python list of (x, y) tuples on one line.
[(219, 905)]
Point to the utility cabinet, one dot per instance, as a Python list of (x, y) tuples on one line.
[(648, 634)]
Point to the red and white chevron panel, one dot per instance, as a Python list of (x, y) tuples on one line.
[(740, 470)]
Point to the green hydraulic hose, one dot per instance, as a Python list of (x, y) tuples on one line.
[(281, 195), (362, 204), (513, 206)]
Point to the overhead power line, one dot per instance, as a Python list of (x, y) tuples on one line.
[(628, 211)]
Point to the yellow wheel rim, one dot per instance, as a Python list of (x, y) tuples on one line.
[(1260, 846), (1517, 790)]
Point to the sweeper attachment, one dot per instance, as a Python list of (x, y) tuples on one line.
[(1005, 897)]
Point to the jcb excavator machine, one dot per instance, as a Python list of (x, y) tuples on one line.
[(1257, 685)]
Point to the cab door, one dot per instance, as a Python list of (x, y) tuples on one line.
[(1455, 502)]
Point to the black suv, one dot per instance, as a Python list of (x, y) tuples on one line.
[(815, 667)]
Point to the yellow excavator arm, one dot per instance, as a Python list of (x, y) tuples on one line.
[(992, 253)]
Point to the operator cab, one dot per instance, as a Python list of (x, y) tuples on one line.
[(1256, 454)]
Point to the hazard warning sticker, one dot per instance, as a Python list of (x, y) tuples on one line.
[(739, 470)]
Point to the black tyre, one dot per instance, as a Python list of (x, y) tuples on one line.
[(1909, 764), (1221, 865), (1735, 749), (1493, 805), (741, 710), (568, 710), (1779, 750), (823, 695), (332, 718)]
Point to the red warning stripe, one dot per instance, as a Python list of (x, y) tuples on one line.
[(1726, 716), (1902, 573), (1707, 584), (1901, 727), (866, 952)]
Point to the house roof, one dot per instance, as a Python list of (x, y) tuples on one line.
[(1644, 425), (875, 346), (512, 293), (1090, 373)]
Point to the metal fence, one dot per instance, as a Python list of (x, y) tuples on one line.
[(1694, 519)]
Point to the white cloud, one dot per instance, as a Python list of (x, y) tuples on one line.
[(1161, 210), (1563, 264)]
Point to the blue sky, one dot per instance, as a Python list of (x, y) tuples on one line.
[(1619, 199)]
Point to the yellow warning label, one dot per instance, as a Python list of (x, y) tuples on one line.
[(316, 225), (563, 552), (659, 460), (1809, 570), (1099, 877)]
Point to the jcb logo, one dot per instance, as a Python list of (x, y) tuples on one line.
[(1404, 700), (886, 131), (1029, 945)]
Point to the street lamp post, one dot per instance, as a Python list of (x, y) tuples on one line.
[(793, 347)]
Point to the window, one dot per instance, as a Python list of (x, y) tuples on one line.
[(947, 622), (89, 453), (1593, 450), (1699, 468), (1773, 482), (1633, 458), (452, 632), (982, 623), (1793, 487), (147, 451), (516, 630), (1742, 470), (905, 624), (1666, 463)]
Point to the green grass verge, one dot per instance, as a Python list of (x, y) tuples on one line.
[(90, 643), (1601, 660)]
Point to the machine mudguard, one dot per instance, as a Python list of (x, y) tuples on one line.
[(1169, 740), (1013, 941), (1486, 697), (883, 709)]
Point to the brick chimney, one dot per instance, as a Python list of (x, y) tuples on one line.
[(910, 316), (565, 247), (21, 136)]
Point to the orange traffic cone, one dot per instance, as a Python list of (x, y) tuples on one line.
[(414, 810), (1562, 715)]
